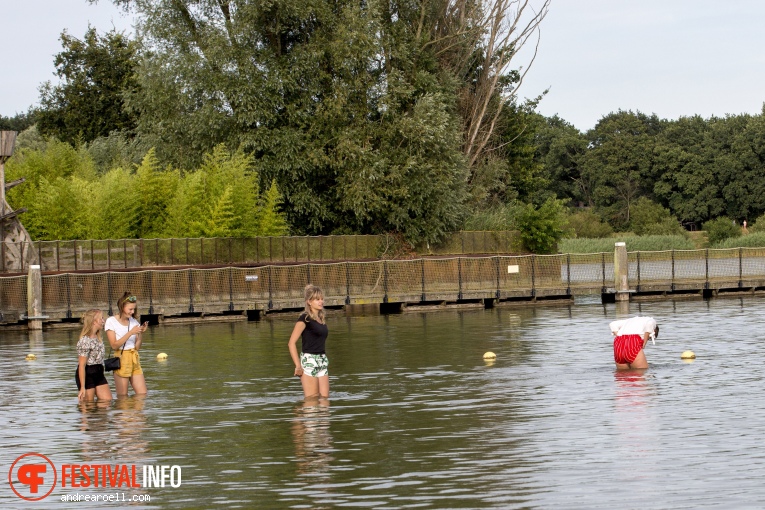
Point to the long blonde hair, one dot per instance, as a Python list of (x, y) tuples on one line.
[(313, 292), (88, 318)]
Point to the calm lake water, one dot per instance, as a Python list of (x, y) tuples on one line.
[(417, 419)]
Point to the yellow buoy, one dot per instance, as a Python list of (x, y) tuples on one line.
[(30, 357), (489, 355), (161, 356), (688, 355)]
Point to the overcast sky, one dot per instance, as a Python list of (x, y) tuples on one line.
[(669, 57)]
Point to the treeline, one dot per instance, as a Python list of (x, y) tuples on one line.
[(699, 169)]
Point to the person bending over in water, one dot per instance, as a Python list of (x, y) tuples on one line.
[(312, 364), (631, 337)]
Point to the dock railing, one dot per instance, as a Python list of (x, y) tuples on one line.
[(266, 288), (127, 254)]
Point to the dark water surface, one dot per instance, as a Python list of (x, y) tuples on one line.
[(417, 418)]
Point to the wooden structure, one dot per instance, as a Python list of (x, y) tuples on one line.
[(16, 245)]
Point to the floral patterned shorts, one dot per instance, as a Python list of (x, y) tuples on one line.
[(315, 365)]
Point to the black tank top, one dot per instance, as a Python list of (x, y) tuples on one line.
[(314, 335)]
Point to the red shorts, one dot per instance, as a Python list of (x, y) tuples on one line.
[(626, 348)]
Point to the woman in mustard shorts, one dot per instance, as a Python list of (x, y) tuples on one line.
[(124, 330)]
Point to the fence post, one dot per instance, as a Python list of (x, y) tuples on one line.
[(58, 255), (673, 269), (422, 270), (621, 272), (706, 269), (740, 268), (347, 284), (638, 272), (308, 266), (34, 297), (459, 278), (230, 289), (385, 280), (93, 255), (124, 254), (150, 276), (74, 252), (533, 276), (68, 295), (568, 274), (109, 290), (191, 285), (498, 294), (270, 288), (603, 261)]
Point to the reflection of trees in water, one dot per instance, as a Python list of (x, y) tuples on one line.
[(312, 437)]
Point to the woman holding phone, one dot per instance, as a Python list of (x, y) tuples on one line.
[(124, 333)]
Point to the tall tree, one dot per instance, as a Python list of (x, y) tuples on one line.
[(619, 161), (340, 102), (95, 74)]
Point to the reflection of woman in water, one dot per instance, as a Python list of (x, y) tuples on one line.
[(89, 375), (312, 437), (312, 364)]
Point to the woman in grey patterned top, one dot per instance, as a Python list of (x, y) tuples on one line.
[(90, 378)]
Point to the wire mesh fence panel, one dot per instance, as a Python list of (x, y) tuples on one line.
[(516, 275), (367, 279), (288, 282), (753, 263), (13, 297), (405, 278), (86, 291), (478, 276), (724, 264), (211, 289), (442, 278), (54, 294), (584, 270), (648, 268), (688, 266), (250, 285), (166, 289), (332, 279), (548, 271)]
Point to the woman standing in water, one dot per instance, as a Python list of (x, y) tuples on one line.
[(124, 332), (89, 375), (312, 364)]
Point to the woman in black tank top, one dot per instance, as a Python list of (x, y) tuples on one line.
[(311, 365)]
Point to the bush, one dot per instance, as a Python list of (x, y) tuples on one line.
[(634, 243), (541, 228), (587, 224), (758, 225), (720, 229), (756, 240), (650, 218)]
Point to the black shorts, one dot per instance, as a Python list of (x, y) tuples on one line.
[(94, 376)]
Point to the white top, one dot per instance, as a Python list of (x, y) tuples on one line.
[(634, 326), (112, 324)]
